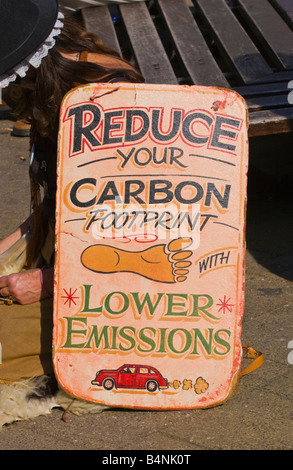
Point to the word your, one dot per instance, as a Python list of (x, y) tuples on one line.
[(144, 156)]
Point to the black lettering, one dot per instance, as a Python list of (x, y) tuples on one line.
[(109, 193), (219, 132), (187, 125), (160, 186), (125, 157), (143, 151), (174, 158), (222, 199), (134, 192), (75, 188), (175, 125), (109, 126), (82, 131), (164, 152), (181, 186), (131, 115)]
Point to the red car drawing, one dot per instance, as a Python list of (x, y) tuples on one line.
[(131, 376)]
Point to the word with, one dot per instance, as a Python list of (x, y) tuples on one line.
[(213, 261)]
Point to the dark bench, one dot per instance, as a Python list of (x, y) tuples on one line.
[(245, 45)]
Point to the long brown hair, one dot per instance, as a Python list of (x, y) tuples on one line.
[(52, 80), (57, 75)]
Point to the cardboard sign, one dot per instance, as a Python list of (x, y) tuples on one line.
[(149, 277)]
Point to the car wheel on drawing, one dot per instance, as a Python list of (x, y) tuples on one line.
[(151, 386), (108, 383), (133, 376)]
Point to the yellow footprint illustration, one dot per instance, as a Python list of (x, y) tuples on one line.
[(164, 263)]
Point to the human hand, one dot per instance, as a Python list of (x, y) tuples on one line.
[(26, 287)]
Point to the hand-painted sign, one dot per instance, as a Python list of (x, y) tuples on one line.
[(149, 277)]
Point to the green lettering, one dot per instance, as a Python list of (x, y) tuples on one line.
[(172, 303), (162, 347), (125, 303), (71, 331), (130, 339), (146, 339), (114, 337), (222, 342), (207, 344), (98, 338), (203, 309), (86, 307), (146, 301), (186, 343)]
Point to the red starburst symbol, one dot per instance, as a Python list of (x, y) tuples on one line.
[(70, 297), (224, 304)]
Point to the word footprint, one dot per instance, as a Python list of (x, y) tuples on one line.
[(163, 263)]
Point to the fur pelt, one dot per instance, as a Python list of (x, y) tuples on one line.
[(33, 397)]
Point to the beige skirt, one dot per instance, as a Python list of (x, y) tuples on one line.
[(26, 340)]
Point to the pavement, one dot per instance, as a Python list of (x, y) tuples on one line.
[(259, 415)]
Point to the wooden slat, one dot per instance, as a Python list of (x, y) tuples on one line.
[(285, 7), (150, 54), (266, 96), (275, 121), (190, 44), (74, 5), (234, 42), (263, 89), (275, 35), (98, 20), (276, 77), (260, 103)]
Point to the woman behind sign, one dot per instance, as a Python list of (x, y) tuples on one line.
[(48, 57)]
